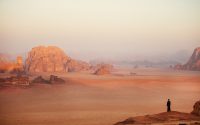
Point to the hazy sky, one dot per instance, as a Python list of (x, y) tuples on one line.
[(110, 29)]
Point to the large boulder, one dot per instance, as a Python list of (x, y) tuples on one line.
[(193, 63), (52, 59), (196, 108)]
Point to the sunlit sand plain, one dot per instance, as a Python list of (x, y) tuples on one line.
[(87, 99)]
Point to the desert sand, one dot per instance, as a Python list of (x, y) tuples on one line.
[(88, 99)]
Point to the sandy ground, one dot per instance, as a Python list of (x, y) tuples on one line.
[(87, 99)]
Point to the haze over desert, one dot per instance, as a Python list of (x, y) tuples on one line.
[(106, 62)]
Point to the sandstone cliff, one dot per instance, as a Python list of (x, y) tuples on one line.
[(51, 59)]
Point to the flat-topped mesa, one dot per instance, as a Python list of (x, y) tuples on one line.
[(51, 59), (193, 63)]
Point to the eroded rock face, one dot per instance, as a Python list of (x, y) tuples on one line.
[(196, 108), (46, 59), (52, 59), (193, 63)]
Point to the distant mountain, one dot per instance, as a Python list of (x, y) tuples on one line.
[(193, 63)]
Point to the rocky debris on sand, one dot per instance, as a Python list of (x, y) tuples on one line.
[(193, 63), (196, 108), (52, 59), (15, 80), (52, 79)]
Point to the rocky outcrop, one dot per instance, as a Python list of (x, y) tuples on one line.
[(52, 59), (52, 80), (193, 63), (162, 118), (75, 65), (15, 80), (196, 108), (46, 59), (55, 79), (40, 79), (102, 71), (6, 65)]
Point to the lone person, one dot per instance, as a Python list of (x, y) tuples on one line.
[(168, 106)]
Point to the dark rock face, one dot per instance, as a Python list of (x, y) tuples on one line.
[(52, 59), (196, 108), (193, 63), (40, 79), (52, 79), (55, 79)]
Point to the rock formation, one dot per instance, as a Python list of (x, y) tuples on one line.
[(6, 65), (193, 63), (15, 80), (74, 65), (169, 118), (102, 71), (53, 79), (196, 108), (52, 59), (40, 79), (46, 59), (162, 118)]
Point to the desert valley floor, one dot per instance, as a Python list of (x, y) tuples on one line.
[(87, 99)]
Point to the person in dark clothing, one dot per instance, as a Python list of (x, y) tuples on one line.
[(168, 106)]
